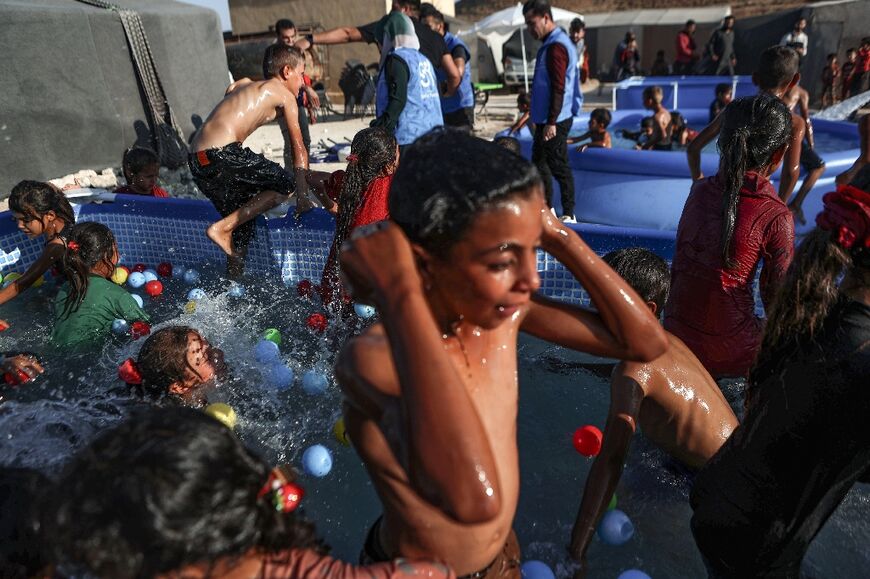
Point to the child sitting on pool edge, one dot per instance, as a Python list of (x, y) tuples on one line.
[(123, 503), (598, 136), (454, 277), (40, 209), (524, 106), (89, 302), (175, 362), (141, 168), (673, 400)]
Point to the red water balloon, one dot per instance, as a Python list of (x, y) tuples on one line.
[(139, 330), (164, 269), (16, 378), (140, 267), (305, 288), (154, 288), (317, 322), (587, 440)]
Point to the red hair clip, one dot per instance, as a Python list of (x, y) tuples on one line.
[(72, 246), (129, 372), (352, 158), (285, 496)]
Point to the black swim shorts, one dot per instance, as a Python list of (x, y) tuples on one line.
[(810, 160), (232, 175)]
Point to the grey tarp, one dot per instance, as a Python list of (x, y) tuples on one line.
[(69, 99)]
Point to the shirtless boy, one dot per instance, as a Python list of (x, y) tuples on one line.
[(673, 399), (598, 136), (459, 256), (661, 137), (812, 163), (776, 75), (241, 183)]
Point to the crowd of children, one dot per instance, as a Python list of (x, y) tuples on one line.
[(449, 260)]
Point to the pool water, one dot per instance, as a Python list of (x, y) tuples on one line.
[(824, 142), (43, 423)]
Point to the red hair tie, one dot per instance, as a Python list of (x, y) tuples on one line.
[(72, 246), (285, 496), (847, 216), (352, 158), (129, 372)]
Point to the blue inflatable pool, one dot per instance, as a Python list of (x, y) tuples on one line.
[(150, 230), (647, 189), (688, 92)]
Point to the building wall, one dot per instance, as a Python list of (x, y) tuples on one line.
[(252, 16)]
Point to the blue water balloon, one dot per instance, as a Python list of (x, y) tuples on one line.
[(633, 574), (266, 352), (317, 460), (136, 279), (236, 290), (138, 299), (120, 327), (195, 294), (536, 570), (314, 383), (364, 311), (191, 276), (150, 275), (280, 375)]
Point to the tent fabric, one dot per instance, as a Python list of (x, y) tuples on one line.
[(498, 27), (69, 98), (664, 16)]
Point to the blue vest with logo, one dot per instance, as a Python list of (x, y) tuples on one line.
[(422, 111), (573, 100), (464, 95)]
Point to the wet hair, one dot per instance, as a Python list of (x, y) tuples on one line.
[(653, 93), (284, 24), (375, 149), (777, 67), (94, 244), (162, 361), (524, 98), (436, 207), (601, 116), (136, 160), (647, 273), (678, 124), (723, 88), (278, 56), (22, 548), (577, 24), (34, 199), (538, 8), (509, 143), (753, 129), (168, 488), (647, 123)]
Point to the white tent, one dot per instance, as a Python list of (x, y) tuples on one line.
[(497, 28)]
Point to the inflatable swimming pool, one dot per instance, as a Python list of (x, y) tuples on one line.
[(647, 189), (150, 230), (688, 92)]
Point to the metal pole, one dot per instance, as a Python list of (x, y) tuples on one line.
[(525, 64)]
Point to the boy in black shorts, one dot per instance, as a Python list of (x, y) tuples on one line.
[(241, 183), (812, 163)]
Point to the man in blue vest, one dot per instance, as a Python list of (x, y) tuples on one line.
[(407, 101), (556, 98), (458, 109)]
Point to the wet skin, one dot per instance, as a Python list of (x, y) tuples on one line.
[(431, 392), (205, 363)]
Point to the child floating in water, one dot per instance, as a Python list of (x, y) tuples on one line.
[(724, 96), (454, 277), (89, 302), (39, 209), (173, 493), (672, 399), (362, 194), (176, 361), (141, 169), (240, 183), (778, 72), (524, 106), (597, 134), (660, 140), (731, 222), (642, 136)]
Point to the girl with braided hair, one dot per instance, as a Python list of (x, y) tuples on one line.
[(361, 192), (805, 440), (731, 222)]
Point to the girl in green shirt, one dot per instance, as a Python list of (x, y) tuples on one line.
[(89, 302)]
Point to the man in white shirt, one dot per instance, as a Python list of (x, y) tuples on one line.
[(797, 38)]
